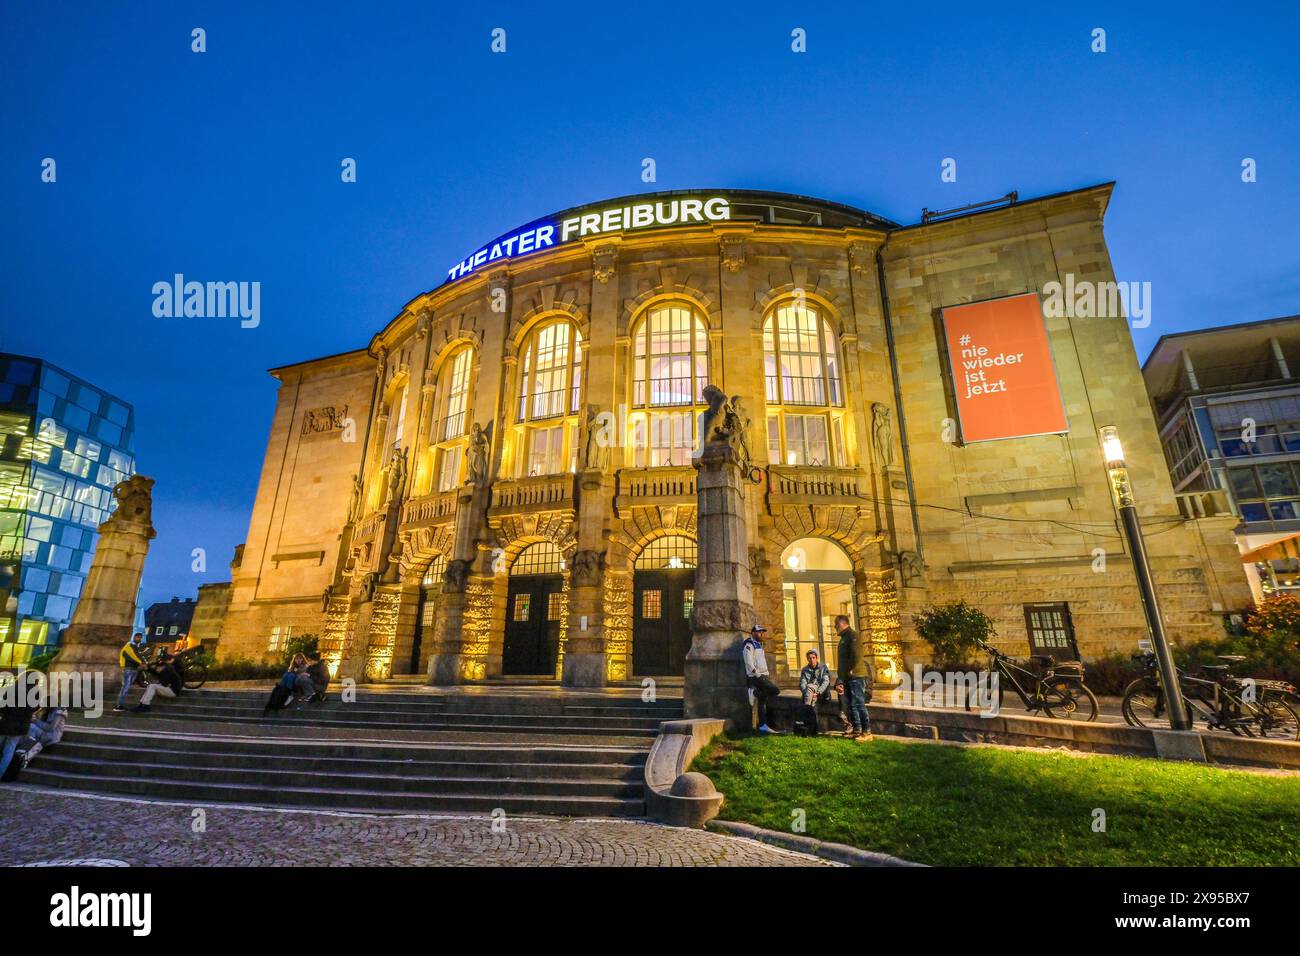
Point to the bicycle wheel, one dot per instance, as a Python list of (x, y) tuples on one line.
[(196, 675), (1068, 700), (1143, 704), (1278, 720)]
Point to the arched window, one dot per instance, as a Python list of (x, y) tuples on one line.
[(544, 557), (804, 387), (451, 421), (670, 367), (550, 394)]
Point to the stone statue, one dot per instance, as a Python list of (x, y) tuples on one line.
[(586, 568), (454, 577), (912, 568), (882, 434), (354, 504), (368, 584), (134, 497), (326, 596), (480, 444), (713, 419), (397, 474), (595, 453), (737, 422)]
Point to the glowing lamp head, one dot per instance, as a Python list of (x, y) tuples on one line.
[(1111, 449)]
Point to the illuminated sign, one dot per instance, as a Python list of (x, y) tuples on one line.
[(1002, 370), (546, 233)]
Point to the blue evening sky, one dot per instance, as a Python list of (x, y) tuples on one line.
[(225, 166)]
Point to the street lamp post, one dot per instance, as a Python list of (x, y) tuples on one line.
[(1122, 492)]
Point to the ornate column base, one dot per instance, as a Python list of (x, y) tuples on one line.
[(90, 649)]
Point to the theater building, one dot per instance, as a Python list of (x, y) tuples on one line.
[(499, 484)]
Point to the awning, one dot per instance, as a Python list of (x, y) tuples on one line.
[(1280, 550)]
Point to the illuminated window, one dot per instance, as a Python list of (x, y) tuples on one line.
[(801, 366), (668, 552), (540, 558), (451, 421), (523, 604), (555, 606), (651, 604), (550, 394), (279, 638), (688, 602), (670, 367)]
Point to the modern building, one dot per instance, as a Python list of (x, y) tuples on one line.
[(169, 621), (500, 484), (1227, 404), (65, 445)]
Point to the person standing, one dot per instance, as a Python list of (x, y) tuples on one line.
[(756, 676), (130, 659), (854, 671)]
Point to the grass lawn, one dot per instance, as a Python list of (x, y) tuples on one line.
[(961, 806)]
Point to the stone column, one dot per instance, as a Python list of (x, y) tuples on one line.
[(105, 614), (724, 602), (585, 662)]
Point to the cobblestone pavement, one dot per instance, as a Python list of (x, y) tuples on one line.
[(43, 826)]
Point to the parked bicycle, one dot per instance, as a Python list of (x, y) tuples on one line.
[(1243, 706), (190, 665), (1042, 683)]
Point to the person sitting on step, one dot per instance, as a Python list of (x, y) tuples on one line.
[(311, 683), (163, 679)]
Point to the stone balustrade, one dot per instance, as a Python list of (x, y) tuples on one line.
[(644, 487), (1204, 504), (430, 509), (540, 493), (804, 484)]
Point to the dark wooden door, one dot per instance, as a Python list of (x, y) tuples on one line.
[(534, 610), (661, 633)]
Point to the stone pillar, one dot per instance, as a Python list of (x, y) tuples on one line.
[(105, 614), (724, 602), (459, 654)]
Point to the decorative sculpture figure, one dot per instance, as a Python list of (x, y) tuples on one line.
[(882, 434)]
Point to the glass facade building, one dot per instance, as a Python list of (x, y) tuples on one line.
[(64, 444)]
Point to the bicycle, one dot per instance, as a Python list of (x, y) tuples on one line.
[(190, 666), (1219, 698), (1057, 689)]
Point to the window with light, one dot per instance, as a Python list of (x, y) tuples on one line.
[(670, 367), (804, 388), (451, 421), (550, 394)]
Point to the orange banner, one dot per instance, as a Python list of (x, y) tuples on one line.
[(1002, 370)]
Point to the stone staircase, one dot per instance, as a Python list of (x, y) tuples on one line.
[(389, 751)]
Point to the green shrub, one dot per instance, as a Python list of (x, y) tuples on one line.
[(243, 668), (953, 632)]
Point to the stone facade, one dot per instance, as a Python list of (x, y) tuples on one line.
[(921, 517)]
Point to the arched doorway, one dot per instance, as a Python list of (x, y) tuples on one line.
[(426, 613), (663, 584), (534, 612), (817, 585)]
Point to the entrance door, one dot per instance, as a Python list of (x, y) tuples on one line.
[(662, 614), (534, 610)]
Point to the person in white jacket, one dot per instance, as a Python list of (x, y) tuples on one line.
[(761, 687)]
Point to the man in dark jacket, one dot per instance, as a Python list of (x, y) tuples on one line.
[(314, 680), (854, 671)]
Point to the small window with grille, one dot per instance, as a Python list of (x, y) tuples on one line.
[(523, 604), (555, 606), (688, 602), (651, 604), (1051, 631)]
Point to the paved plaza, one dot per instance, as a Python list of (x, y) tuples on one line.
[(40, 826)]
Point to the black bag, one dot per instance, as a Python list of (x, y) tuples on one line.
[(805, 720), (280, 697)]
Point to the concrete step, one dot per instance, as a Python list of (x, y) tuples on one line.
[(358, 761), (479, 702), (370, 712), (132, 742), (378, 779), (357, 800), (503, 725)]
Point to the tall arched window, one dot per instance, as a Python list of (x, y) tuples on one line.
[(550, 394), (804, 387), (670, 367), (451, 419)]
